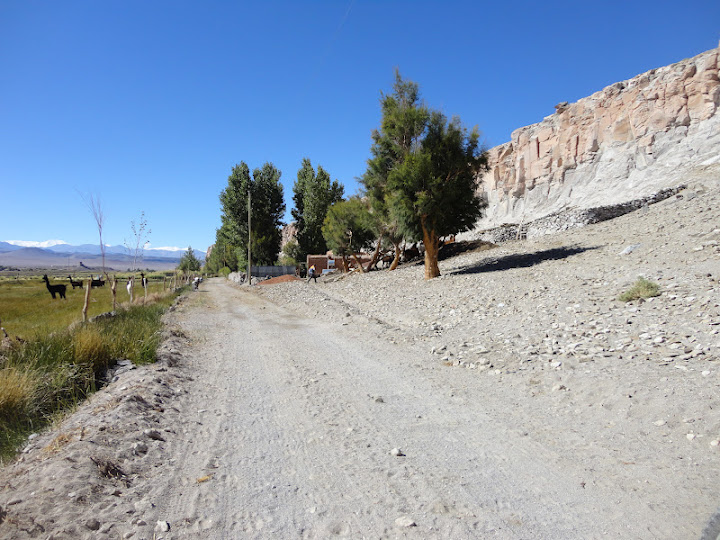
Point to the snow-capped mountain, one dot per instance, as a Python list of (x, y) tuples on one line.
[(55, 253)]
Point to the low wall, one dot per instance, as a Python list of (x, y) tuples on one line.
[(571, 219)]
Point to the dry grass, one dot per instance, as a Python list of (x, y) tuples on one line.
[(59, 442), (58, 368), (17, 390), (91, 348), (152, 298), (110, 404)]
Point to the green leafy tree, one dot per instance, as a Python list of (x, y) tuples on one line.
[(430, 188), (210, 266), (189, 262), (268, 206), (404, 121), (313, 194), (348, 229), (222, 254), (231, 237), (304, 177), (290, 253)]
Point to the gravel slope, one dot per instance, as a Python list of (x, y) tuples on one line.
[(526, 400), (629, 393)]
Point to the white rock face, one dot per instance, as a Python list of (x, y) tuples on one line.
[(628, 140)]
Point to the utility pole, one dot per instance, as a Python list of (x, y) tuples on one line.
[(249, 265)]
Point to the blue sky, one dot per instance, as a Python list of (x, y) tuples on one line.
[(148, 105)]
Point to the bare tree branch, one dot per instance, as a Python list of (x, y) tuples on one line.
[(95, 206)]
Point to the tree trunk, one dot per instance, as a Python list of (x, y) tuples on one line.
[(376, 255), (357, 261), (113, 288), (396, 260), (432, 248), (87, 299)]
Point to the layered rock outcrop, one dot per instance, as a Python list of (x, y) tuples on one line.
[(630, 139)]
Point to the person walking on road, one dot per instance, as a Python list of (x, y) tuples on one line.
[(312, 274)]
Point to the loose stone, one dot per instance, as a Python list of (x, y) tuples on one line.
[(405, 521)]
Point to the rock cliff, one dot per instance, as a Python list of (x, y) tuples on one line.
[(624, 142)]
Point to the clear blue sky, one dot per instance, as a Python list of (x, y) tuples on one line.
[(149, 104)]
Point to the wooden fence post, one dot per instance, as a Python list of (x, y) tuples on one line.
[(113, 288), (87, 299)]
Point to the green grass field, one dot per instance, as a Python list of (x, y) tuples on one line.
[(58, 363), (27, 310)]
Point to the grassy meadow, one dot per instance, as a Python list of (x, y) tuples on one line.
[(57, 363), (27, 310)]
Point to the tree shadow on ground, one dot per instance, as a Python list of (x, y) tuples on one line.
[(521, 260), (454, 249)]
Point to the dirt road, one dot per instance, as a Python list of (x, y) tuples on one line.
[(295, 423)]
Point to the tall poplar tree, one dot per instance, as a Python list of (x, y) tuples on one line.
[(313, 194), (231, 237), (268, 207)]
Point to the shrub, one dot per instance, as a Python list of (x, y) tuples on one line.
[(642, 288)]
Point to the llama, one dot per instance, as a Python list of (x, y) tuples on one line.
[(144, 280), (54, 289), (75, 283), (97, 282)]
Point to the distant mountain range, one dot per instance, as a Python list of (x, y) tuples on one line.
[(88, 256)]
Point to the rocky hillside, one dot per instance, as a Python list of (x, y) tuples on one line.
[(622, 143)]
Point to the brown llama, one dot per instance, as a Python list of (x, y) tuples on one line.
[(54, 289), (75, 283)]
